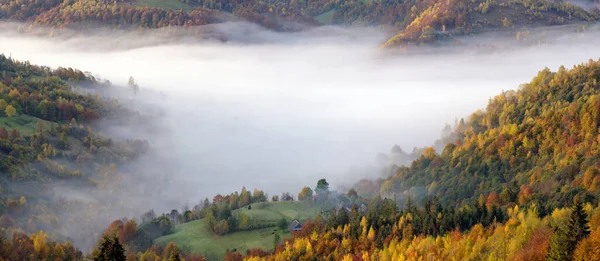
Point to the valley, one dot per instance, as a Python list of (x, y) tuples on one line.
[(356, 130)]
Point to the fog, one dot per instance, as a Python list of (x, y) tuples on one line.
[(277, 111)]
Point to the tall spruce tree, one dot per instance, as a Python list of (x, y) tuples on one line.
[(578, 227), (563, 243), (109, 250)]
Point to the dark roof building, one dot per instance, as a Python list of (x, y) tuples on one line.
[(295, 226)]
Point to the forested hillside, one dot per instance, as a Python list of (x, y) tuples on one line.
[(518, 180), (46, 139), (415, 21), (418, 21), (520, 183), (536, 144)]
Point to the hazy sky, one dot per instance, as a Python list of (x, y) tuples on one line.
[(277, 111)]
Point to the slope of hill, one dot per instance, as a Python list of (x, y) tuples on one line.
[(531, 154), (196, 238), (46, 139), (522, 160), (441, 20), (193, 237), (416, 21), (540, 143), (165, 4)]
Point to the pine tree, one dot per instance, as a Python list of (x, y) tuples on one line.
[(109, 250), (343, 218), (409, 205), (578, 227), (332, 221), (563, 243), (558, 249)]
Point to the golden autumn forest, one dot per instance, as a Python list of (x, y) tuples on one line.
[(518, 179)]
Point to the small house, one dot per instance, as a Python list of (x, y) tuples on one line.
[(295, 226)]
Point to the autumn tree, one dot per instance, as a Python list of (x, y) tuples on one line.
[(10, 111), (245, 197), (175, 255), (3, 105), (588, 248), (492, 200), (371, 235), (128, 232), (39, 243), (233, 256), (536, 248), (3, 133), (306, 194), (591, 178), (14, 134), (259, 196)]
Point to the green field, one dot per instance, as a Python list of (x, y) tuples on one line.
[(195, 238), (273, 211), (166, 4), (23, 123), (325, 18)]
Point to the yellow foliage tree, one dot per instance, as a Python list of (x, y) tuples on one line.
[(371, 235), (10, 111), (149, 256), (363, 225), (244, 221), (39, 242), (588, 248), (347, 257)]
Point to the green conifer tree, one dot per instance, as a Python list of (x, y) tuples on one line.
[(563, 243), (578, 227), (109, 250), (558, 249)]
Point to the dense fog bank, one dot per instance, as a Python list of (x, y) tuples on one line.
[(277, 111)]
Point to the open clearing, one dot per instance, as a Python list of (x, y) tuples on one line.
[(273, 211), (25, 124), (325, 18), (194, 236), (166, 4)]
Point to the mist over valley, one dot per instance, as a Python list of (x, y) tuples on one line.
[(274, 110), (163, 118)]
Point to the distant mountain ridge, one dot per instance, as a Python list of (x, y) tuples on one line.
[(417, 22)]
